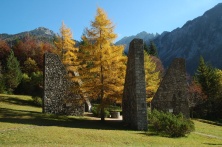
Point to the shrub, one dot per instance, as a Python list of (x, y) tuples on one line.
[(169, 124), (96, 110), (114, 108)]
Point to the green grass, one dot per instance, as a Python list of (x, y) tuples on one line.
[(23, 124)]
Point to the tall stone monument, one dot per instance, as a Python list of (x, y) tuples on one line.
[(172, 94), (134, 96), (57, 99)]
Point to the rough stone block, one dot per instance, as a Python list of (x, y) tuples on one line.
[(56, 99), (134, 96), (172, 95)]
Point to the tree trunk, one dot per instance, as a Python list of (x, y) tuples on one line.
[(102, 113)]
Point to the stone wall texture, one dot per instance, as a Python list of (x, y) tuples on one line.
[(172, 94), (57, 99), (134, 95)]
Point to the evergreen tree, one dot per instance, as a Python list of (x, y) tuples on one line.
[(208, 78), (13, 73), (202, 74), (146, 48), (210, 81), (103, 63), (219, 98), (152, 49)]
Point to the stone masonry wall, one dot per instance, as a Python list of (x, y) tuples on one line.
[(134, 96), (172, 94), (57, 99)]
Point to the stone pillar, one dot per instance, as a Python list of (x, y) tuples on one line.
[(58, 98), (134, 95), (172, 94), (55, 84)]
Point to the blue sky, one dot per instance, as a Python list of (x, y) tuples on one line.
[(129, 16)]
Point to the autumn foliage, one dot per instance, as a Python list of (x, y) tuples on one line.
[(21, 60), (4, 51), (102, 67), (152, 76), (29, 47)]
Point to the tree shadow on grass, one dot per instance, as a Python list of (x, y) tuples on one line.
[(16, 101), (149, 132), (40, 119), (217, 144), (217, 123), (152, 132)]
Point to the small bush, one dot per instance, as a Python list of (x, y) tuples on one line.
[(96, 111), (114, 108), (169, 124)]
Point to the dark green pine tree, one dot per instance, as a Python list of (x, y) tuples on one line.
[(152, 49), (201, 75), (209, 80), (146, 48), (13, 73)]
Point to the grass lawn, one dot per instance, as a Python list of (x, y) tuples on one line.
[(23, 124)]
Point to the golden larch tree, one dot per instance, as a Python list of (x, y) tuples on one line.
[(66, 49), (66, 45), (103, 64), (68, 53), (152, 77)]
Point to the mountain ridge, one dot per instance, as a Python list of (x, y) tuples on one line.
[(40, 33), (201, 36)]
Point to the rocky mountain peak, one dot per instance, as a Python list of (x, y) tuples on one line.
[(40, 33), (42, 30), (201, 36)]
